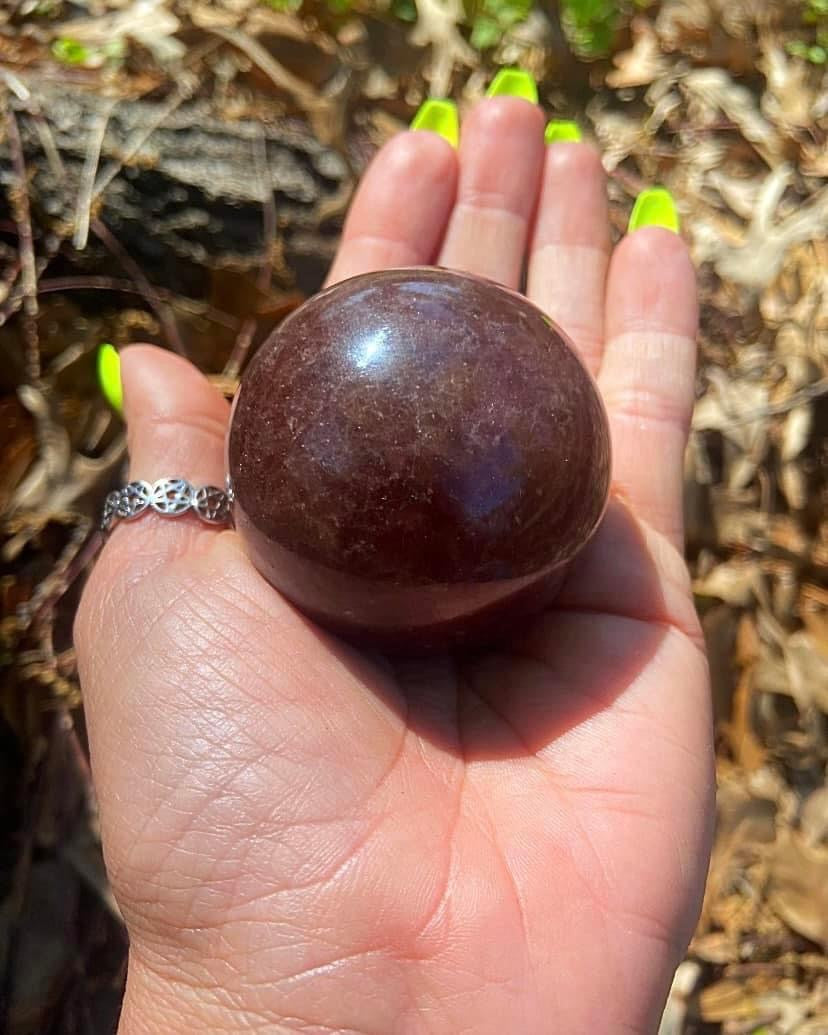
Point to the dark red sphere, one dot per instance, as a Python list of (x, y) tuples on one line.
[(417, 456)]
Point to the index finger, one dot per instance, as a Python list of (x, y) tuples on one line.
[(399, 213)]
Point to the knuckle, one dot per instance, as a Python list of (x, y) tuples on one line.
[(645, 406), (576, 161), (413, 154), (505, 116), (654, 244)]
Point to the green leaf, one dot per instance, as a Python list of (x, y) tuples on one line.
[(485, 33), (490, 19), (405, 10), (590, 25), (70, 52), (283, 5)]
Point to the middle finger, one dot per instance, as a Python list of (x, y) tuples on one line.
[(501, 158)]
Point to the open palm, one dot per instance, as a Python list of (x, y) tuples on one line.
[(306, 838)]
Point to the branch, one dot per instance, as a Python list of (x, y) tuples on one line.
[(19, 197)]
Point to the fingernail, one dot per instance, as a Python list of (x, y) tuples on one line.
[(514, 82), (558, 131), (439, 116), (654, 207), (109, 377)]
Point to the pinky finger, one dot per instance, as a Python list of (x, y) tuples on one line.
[(648, 372)]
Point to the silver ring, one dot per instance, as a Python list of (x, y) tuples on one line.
[(172, 497)]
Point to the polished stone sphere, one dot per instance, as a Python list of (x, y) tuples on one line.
[(417, 456)]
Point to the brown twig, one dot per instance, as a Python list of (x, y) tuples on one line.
[(51, 246), (113, 245), (84, 544), (245, 336), (101, 283), (19, 197), (139, 139), (285, 80), (47, 142)]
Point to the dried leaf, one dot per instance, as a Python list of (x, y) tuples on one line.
[(797, 431), (807, 668), (17, 447), (813, 819), (789, 99), (643, 63), (794, 486), (759, 259), (733, 581), (798, 887), (715, 89)]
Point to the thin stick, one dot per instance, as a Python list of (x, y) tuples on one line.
[(245, 336), (112, 244), (47, 142), (84, 545), (51, 247), (100, 283), (276, 72), (138, 140), (19, 197), (87, 179)]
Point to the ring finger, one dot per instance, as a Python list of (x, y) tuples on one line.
[(501, 157), (570, 248)]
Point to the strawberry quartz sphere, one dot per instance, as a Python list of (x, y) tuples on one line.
[(417, 456)]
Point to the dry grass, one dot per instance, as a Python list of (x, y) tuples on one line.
[(701, 95)]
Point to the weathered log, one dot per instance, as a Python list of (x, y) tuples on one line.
[(188, 182)]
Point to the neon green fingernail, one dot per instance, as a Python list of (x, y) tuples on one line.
[(439, 116), (559, 131), (514, 82), (109, 376), (654, 207)]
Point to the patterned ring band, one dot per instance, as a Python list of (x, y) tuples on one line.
[(171, 497)]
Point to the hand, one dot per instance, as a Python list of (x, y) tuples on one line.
[(302, 838)]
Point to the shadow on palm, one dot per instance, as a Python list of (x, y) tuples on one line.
[(559, 670)]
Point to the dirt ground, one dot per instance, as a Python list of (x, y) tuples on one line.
[(128, 211)]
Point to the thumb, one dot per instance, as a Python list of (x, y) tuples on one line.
[(176, 421), (176, 425)]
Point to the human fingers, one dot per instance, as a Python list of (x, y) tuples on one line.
[(648, 369), (399, 213), (175, 419), (570, 247), (501, 157)]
